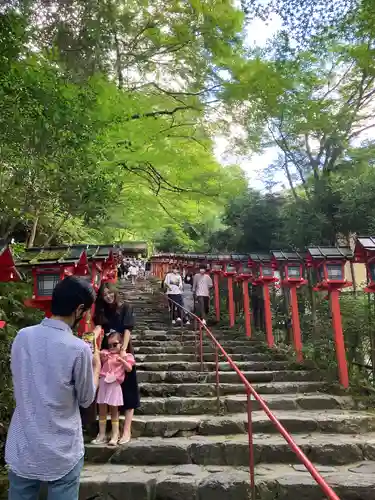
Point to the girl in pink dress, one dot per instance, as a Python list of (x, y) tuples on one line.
[(115, 363)]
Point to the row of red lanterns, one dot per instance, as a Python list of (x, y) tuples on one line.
[(328, 264)]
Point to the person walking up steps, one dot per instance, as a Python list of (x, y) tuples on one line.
[(202, 285), (174, 286), (188, 296), (53, 373), (133, 272), (115, 364)]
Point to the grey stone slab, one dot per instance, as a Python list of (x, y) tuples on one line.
[(231, 486), (177, 488), (174, 405), (332, 421), (152, 452), (177, 377), (234, 450)]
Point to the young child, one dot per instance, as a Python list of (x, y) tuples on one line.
[(115, 364)]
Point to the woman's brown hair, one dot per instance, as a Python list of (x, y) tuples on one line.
[(102, 308)]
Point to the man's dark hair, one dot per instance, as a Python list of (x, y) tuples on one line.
[(69, 293)]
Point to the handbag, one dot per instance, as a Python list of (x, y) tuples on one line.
[(109, 378)]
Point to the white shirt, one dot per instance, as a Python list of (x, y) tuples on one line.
[(202, 284), (173, 282), (133, 270)]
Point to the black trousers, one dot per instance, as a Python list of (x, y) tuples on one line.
[(175, 306), (202, 306)]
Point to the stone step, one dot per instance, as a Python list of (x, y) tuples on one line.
[(332, 421), (178, 333), (209, 357), (188, 482), (179, 348), (199, 389), (180, 343), (327, 449), (238, 404), (176, 377), (178, 328), (210, 366)]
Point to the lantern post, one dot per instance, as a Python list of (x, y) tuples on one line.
[(229, 272), (364, 253), (8, 271), (244, 276), (264, 276), (216, 271), (329, 264), (291, 272)]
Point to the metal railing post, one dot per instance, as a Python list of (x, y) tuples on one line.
[(217, 380), (251, 444), (201, 345)]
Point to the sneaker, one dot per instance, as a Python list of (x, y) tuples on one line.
[(187, 323), (178, 320), (173, 322)]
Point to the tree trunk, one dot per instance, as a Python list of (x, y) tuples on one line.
[(120, 77), (31, 241)]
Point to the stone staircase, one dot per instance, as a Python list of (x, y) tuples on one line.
[(183, 448)]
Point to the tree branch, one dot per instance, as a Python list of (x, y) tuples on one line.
[(164, 112)]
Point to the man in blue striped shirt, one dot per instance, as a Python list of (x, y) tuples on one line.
[(54, 373)]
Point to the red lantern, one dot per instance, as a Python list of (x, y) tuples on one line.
[(245, 276), (290, 265), (48, 267), (264, 276), (365, 253), (8, 271), (329, 264), (230, 272)]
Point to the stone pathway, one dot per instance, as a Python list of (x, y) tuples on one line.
[(184, 449)]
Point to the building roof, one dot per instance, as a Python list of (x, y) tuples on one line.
[(320, 253), (280, 255), (51, 255), (260, 257)]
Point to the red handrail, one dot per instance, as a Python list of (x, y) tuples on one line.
[(327, 490)]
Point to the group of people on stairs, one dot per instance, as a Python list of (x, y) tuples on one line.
[(191, 293), (56, 375), (133, 269)]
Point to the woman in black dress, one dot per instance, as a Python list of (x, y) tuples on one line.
[(111, 315)]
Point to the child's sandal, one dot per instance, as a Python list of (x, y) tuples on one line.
[(113, 443)]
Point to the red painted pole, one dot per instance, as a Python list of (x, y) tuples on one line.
[(268, 315), (246, 307), (251, 444), (296, 324), (231, 301), (201, 346), (217, 380), (217, 296), (339, 338)]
